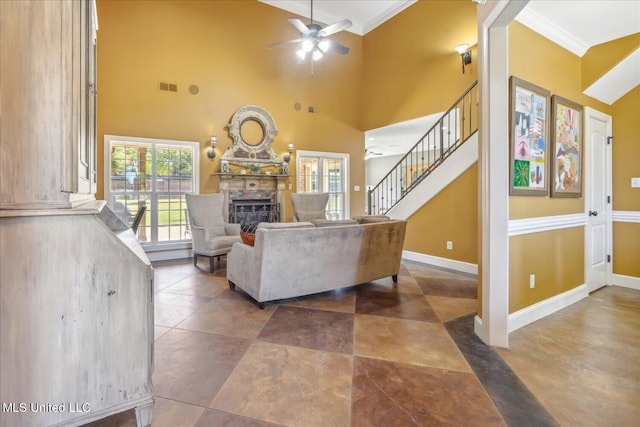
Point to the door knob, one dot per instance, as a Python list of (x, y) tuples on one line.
[(593, 213)]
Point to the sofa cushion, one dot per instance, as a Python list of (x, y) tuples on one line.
[(368, 219), (278, 225), (332, 222), (308, 216)]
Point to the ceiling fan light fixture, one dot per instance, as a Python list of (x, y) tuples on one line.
[(324, 45), (301, 54), (317, 54), (307, 45)]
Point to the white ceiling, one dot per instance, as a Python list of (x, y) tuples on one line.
[(365, 14), (575, 25)]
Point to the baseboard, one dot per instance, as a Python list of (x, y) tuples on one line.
[(478, 328), (626, 281), (544, 308), (169, 255), (451, 264)]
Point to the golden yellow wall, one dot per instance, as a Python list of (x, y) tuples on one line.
[(221, 46), (626, 249), (411, 67), (626, 151), (539, 61), (626, 160), (555, 257), (602, 58), (449, 216)]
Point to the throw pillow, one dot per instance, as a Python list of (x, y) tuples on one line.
[(248, 238)]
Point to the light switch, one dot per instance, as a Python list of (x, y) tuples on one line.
[(635, 182), (356, 188)]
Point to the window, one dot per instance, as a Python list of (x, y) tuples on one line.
[(153, 173), (320, 172)]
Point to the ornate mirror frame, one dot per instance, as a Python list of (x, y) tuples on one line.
[(243, 152)]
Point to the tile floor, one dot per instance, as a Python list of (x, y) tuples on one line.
[(383, 355)]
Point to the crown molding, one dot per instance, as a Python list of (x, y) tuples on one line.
[(385, 16), (556, 34)]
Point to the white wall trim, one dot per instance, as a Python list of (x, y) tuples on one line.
[(626, 216), (451, 264), (546, 223), (478, 329), (544, 308), (626, 281), (558, 35), (170, 255)]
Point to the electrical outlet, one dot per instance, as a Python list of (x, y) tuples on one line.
[(290, 186), (532, 281), (449, 245)]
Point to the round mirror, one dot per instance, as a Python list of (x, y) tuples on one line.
[(252, 132)]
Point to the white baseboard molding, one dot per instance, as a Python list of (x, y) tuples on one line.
[(478, 328), (544, 308), (625, 281), (169, 255), (451, 264)]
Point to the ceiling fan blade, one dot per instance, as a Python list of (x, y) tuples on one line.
[(334, 28), (342, 50), (300, 26), (287, 42)]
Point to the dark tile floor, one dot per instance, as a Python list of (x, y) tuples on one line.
[(377, 354)]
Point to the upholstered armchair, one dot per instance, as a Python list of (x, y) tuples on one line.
[(309, 206), (211, 236)]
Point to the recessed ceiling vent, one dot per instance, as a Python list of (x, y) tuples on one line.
[(168, 87)]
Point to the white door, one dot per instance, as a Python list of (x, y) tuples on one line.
[(597, 199)]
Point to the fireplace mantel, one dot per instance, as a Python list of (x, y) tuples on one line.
[(252, 185)]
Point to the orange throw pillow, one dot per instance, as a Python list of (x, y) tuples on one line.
[(248, 238)]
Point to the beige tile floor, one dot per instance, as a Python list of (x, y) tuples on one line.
[(375, 355)]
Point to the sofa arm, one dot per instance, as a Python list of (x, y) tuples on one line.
[(243, 268)]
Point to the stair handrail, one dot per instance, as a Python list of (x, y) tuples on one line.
[(397, 177)]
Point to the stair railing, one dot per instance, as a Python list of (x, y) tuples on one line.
[(451, 130)]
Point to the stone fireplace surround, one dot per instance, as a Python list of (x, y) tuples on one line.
[(250, 187)]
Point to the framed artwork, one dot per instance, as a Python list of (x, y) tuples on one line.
[(566, 136), (528, 137)]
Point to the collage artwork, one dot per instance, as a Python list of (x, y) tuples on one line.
[(529, 140)]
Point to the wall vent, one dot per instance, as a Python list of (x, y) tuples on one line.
[(168, 87)]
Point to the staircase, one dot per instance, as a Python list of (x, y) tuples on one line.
[(455, 127)]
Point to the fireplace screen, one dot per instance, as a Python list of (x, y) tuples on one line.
[(242, 211)]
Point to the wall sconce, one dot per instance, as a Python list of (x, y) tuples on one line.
[(287, 157), (465, 54), (211, 153)]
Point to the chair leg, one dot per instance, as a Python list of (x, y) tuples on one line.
[(195, 260), (394, 278), (232, 285), (212, 261)]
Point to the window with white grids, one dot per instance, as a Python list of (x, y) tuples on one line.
[(157, 174)]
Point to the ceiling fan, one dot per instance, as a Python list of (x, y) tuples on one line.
[(314, 40)]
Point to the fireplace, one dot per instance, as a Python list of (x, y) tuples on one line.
[(242, 211), (252, 197)]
